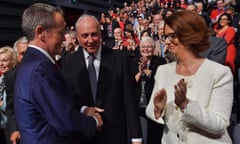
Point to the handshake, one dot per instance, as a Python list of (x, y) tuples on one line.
[(95, 113)]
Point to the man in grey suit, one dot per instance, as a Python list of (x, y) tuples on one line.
[(217, 51)]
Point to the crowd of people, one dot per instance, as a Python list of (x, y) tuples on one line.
[(150, 72)]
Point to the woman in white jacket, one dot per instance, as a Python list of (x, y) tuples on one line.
[(193, 96)]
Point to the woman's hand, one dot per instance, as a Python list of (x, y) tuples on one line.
[(143, 63), (159, 102), (180, 94)]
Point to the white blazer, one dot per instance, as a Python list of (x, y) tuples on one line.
[(206, 117)]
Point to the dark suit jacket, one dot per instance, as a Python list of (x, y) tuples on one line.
[(114, 94), (43, 105), (9, 79), (217, 51)]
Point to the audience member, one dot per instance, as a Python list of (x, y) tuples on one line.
[(235, 17), (157, 18), (226, 31), (8, 61), (20, 47), (116, 43), (130, 40), (70, 43), (216, 12), (160, 46), (186, 99), (204, 14), (118, 36), (43, 106), (107, 32), (169, 12), (192, 8), (144, 69), (217, 50)]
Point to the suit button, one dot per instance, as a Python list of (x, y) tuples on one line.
[(178, 135)]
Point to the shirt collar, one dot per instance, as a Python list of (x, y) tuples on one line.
[(44, 52), (97, 55)]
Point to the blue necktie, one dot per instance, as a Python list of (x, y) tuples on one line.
[(92, 76)]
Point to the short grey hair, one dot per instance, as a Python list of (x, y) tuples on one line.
[(22, 39), (147, 39), (84, 16), (38, 14)]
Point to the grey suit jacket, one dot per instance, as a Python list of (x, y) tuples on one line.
[(217, 51)]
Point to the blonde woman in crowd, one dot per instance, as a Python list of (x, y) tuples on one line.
[(8, 61)]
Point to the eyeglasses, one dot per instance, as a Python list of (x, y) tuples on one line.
[(169, 36)]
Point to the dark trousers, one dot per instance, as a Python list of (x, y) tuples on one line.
[(2, 137), (155, 131)]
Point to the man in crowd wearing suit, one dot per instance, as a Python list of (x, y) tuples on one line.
[(108, 87), (217, 51), (44, 108)]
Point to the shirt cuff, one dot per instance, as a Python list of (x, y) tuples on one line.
[(82, 109), (96, 120), (136, 139)]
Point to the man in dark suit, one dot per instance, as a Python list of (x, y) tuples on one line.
[(43, 105), (114, 92)]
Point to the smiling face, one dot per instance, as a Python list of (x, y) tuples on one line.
[(89, 35), (146, 49), (185, 31), (54, 36), (5, 62), (171, 41), (117, 34), (224, 21)]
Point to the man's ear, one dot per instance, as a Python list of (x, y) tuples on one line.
[(40, 32)]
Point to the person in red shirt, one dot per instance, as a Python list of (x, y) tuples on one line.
[(215, 13), (226, 31)]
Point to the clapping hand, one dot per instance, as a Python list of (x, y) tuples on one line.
[(159, 102), (142, 63), (180, 94), (143, 68)]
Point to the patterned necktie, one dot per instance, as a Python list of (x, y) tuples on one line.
[(92, 75)]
